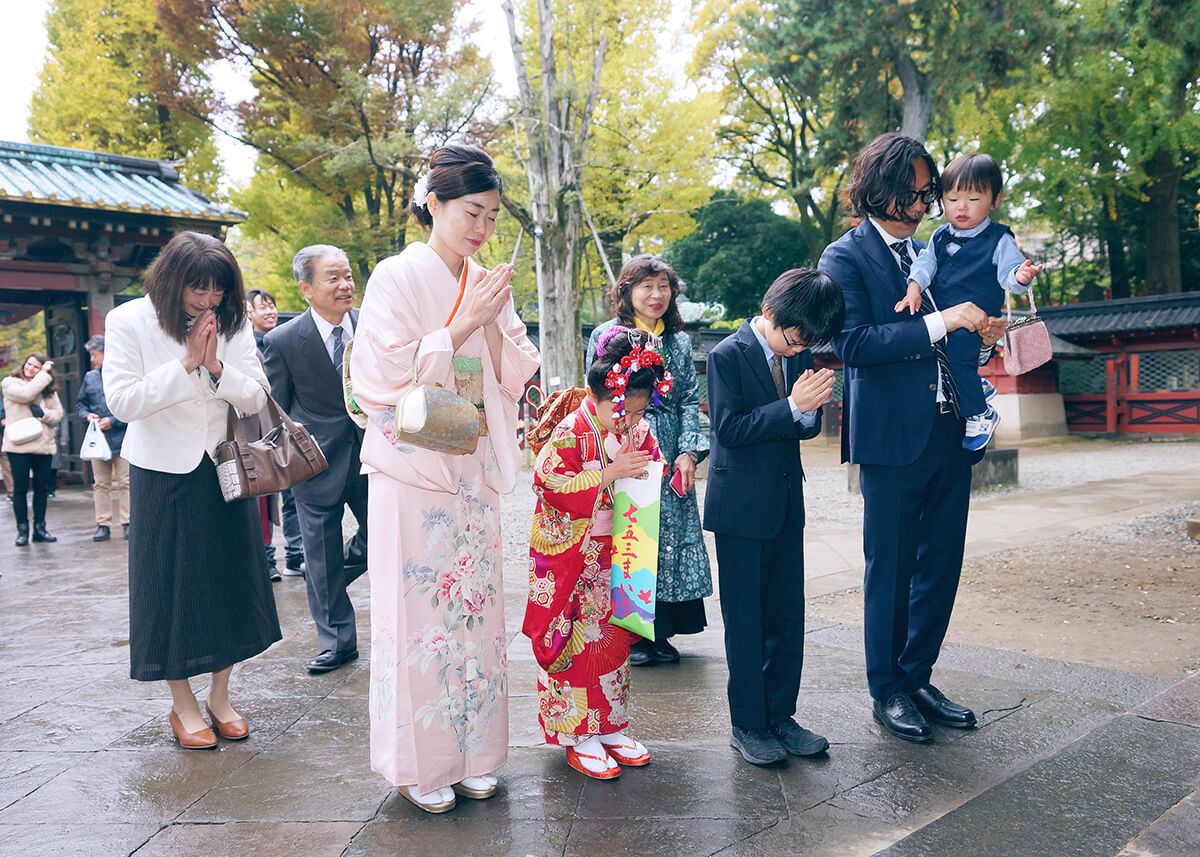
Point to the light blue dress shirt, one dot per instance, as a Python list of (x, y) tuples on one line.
[(807, 419)]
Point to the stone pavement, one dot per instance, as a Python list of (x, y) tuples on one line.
[(1069, 759)]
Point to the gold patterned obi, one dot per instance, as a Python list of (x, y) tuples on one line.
[(468, 379)]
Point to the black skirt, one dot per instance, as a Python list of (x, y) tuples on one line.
[(200, 598)]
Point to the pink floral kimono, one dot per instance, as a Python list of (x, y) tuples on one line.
[(439, 687)]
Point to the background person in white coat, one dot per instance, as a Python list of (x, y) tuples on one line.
[(199, 597)]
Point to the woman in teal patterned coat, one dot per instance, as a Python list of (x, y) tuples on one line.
[(644, 297)]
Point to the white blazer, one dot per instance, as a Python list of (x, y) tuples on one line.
[(174, 417)]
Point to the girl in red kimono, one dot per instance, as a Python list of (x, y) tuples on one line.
[(583, 684)]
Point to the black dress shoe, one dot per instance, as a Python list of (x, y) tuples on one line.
[(125, 531), (934, 705), (757, 746), (797, 740), (641, 654), (293, 567), (328, 661), (662, 652), (899, 715), (274, 574), (22, 535), (102, 533), (41, 534)]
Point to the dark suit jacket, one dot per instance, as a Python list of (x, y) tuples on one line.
[(306, 386), (890, 382), (754, 458)]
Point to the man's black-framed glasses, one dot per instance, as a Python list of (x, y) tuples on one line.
[(788, 341), (929, 194)]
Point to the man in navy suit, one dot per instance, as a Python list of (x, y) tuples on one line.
[(902, 427), (763, 398), (303, 360)]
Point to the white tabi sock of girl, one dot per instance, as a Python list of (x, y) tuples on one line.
[(632, 748), (490, 779), (430, 798), (593, 747), (481, 783)]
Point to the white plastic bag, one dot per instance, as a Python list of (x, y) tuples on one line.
[(95, 444)]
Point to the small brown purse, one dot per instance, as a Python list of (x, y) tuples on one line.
[(286, 455)]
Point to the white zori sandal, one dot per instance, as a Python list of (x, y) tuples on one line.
[(476, 788), (435, 802)]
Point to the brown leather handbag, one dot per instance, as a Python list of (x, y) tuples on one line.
[(286, 455)]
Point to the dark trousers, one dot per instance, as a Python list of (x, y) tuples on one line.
[(962, 347), (326, 575), (762, 603), (291, 527), (23, 465), (914, 529)]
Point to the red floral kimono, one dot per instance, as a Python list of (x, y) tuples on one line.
[(583, 686)]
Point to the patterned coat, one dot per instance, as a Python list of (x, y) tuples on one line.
[(683, 570)]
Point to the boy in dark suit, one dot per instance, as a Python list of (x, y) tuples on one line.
[(763, 398)]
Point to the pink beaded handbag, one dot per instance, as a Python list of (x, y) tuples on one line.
[(1026, 340)]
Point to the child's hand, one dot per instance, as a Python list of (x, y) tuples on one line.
[(1027, 272), (912, 299), (813, 389), (629, 462)]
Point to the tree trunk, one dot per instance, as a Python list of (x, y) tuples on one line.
[(1163, 272), (1114, 245), (918, 102), (558, 314)]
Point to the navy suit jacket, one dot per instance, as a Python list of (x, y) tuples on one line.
[(754, 456), (309, 390), (889, 390)]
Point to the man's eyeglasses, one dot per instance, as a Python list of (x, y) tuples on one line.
[(928, 195), (787, 340)]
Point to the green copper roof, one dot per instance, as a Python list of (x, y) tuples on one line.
[(76, 178)]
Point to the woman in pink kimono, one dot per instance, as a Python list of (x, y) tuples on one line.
[(439, 689)]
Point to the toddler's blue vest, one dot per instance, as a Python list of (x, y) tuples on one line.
[(969, 274)]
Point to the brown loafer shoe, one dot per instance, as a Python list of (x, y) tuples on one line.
[(230, 730), (202, 740)]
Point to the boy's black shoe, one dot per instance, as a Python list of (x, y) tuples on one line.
[(102, 533), (757, 746)]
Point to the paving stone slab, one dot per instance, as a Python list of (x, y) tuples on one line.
[(320, 784), (118, 786), (1090, 798), (65, 726), (446, 836), (286, 839), (74, 840), (823, 831), (25, 687), (661, 837), (23, 772), (1176, 833), (1177, 704), (265, 677)]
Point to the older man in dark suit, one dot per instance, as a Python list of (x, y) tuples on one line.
[(303, 360), (902, 426)]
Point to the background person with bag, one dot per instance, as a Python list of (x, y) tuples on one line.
[(303, 360), (437, 585), (199, 598), (32, 411), (110, 494)]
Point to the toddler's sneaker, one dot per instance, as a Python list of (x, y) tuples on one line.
[(989, 389), (980, 429)]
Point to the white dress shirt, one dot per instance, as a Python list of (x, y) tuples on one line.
[(325, 330)]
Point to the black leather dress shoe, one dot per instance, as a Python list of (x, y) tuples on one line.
[(899, 715), (662, 652), (934, 705), (797, 740), (641, 654), (328, 661), (294, 567), (102, 533), (757, 746)]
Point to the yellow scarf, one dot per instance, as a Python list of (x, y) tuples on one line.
[(657, 330)]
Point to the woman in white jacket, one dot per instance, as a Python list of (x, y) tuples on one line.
[(32, 410), (199, 598)]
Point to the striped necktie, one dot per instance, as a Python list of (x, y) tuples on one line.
[(339, 348), (949, 389)]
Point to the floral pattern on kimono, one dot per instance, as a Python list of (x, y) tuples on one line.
[(583, 683)]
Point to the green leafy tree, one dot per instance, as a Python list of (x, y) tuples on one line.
[(108, 84), (352, 95), (738, 249)]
